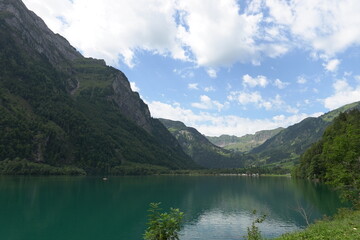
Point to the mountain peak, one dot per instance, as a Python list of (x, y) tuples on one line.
[(35, 34), (60, 108)]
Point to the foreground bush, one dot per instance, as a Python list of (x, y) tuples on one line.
[(163, 226)]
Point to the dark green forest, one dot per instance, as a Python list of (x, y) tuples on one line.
[(335, 159), (46, 119), (200, 149)]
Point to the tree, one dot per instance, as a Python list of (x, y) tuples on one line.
[(163, 226)]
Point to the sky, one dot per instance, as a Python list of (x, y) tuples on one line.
[(222, 66)]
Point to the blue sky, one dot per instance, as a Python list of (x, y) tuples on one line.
[(222, 66)]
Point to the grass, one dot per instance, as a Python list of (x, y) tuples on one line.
[(344, 226), (93, 73)]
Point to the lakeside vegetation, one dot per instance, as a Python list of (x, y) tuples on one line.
[(343, 226), (51, 127), (24, 167), (334, 160)]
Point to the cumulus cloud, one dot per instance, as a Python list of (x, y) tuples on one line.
[(343, 94), (332, 65), (134, 87), (114, 29), (212, 73), (209, 89), (193, 86), (207, 103), (209, 33), (217, 34), (301, 80), (255, 81), (255, 98), (280, 84), (245, 97), (328, 26), (215, 125)]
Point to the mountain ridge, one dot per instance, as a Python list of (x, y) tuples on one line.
[(200, 149), (290, 143), (61, 109), (244, 143)]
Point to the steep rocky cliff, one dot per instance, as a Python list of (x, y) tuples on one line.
[(60, 108)]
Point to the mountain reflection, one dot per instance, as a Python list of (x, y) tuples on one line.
[(216, 207)]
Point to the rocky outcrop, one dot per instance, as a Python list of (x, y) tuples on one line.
[(36, 34), (78, 110), (130, 102), (61, 55)]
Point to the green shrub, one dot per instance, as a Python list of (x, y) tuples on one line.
[(163, 226), (253, 232)]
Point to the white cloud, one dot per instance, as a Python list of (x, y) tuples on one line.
[(328, 26), (217, 34), (118, 28), (292, 110), (245, 97), (276, 103), (357, 78), (209, 33), (212, 73), (279, 84), (185, 72), (301, 80), (332, 65), (134, 87), (207, 104), (51, 12), (256, 81), (193, 86), (344, 94), (215, 125), (209, 89)]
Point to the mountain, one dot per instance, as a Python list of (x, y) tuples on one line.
[(293, 141), (200, 149), (62, 109), (244, 143), (335, 158)]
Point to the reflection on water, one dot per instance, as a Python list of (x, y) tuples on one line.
[(221, 225), (215, 207)]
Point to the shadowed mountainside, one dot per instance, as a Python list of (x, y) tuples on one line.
[(61, 109)]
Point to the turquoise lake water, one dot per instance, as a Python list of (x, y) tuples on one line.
[(216, 207)]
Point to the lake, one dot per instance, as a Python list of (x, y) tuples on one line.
[(216, 207)]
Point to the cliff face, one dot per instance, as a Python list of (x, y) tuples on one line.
[(130, 103), (71, 109), (36, 34)]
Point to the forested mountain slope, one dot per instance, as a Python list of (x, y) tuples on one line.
[(291, 142), (200, 149), (336, 157), (59, 108), (244, 143)]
